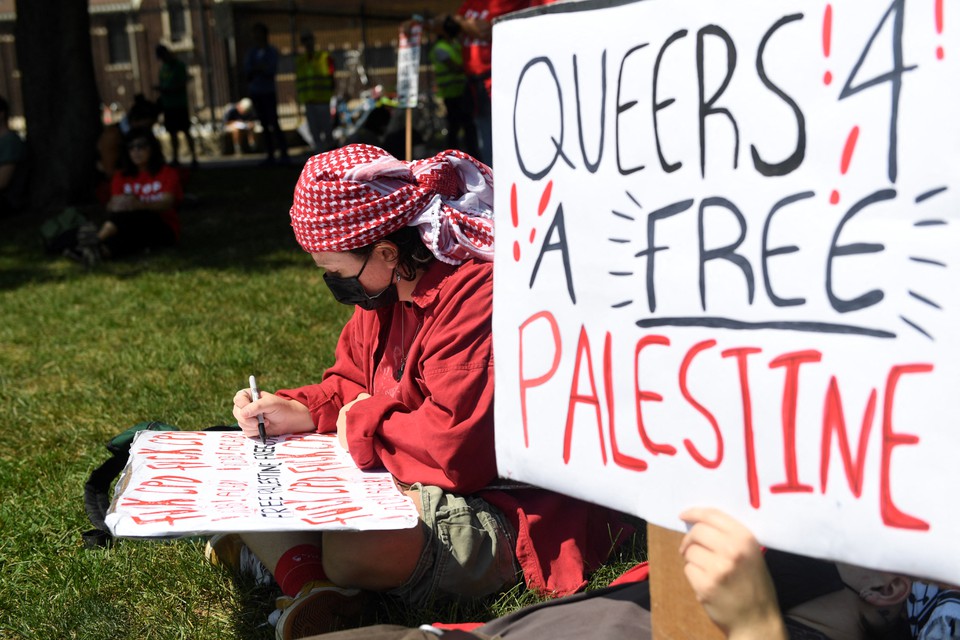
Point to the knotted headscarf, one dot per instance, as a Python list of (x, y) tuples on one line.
[(356, 195)]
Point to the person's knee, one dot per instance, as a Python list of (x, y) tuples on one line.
[(373, 559)]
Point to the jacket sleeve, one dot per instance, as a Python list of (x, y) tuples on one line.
[(447, 439), (341, 383)]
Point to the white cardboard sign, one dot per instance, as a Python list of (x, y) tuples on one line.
[(181, 483), (727, 267), (408, 67)]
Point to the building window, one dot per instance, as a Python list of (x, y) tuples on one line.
[(118, 43), (178, 20)]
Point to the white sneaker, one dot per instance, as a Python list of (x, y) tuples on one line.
[(227, 550), (318, 608)]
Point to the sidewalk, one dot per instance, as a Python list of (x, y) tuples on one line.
[(298, 157)]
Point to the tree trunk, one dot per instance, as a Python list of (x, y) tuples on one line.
[(60, 100)]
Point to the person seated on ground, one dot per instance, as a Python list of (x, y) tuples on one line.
[(141, 212), (12, 165), (111, 147), (240, 120), (410, 245), (749, 594)]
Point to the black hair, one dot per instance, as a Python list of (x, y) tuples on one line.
[(412, 254), (896, 629), (261, 28), (156, 161), (451, 28), (143, 109), (4, 106)]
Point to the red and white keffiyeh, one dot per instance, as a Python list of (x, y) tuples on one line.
[(356, 195)]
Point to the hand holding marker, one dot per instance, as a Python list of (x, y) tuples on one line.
[(255, 395)]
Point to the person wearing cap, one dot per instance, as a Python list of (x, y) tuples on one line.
[(315, 88), (410, 245)]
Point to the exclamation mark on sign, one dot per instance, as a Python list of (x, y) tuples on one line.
[(544, 201), (515, 219), (845, 159), (827, 28), (938, 15)]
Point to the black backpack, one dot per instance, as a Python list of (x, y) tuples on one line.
[(96, 492)]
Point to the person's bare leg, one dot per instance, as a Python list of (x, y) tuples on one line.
[(375, 560), (269, 547), (191, 146), (175, 147)]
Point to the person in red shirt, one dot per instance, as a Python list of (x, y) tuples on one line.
[(141, 211), (411, 391)]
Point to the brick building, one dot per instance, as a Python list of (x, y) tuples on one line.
[(212, 36)]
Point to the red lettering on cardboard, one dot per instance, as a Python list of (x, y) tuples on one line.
[(583, 347), (788, 412), (753, 485), (833, 422), (619, 458), (694, 453), (648, 396), (892, 516), (539, 380)]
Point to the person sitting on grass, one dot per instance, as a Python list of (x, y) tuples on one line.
[(410, 246), (749, 594), (141, 211)]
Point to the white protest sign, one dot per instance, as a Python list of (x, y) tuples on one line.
[(408, 67), (727, 263), (180, 483)]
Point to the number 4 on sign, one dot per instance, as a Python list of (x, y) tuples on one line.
[(894, 77)]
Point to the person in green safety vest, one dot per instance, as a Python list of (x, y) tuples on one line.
[(451, 81), (315, 88)]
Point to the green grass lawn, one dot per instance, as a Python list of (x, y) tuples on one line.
[(169, 336)]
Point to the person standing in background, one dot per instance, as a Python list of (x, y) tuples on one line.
[(174, 104), (474, 19), (315, 88), (260, 67), (447, 59)]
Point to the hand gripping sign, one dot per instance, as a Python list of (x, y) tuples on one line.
[(726, 268)]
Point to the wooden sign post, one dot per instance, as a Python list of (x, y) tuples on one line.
[(674, 608), (408, 77)]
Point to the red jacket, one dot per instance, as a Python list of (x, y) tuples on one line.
[(436, 427)]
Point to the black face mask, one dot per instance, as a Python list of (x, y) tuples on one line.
[(350, 291)]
